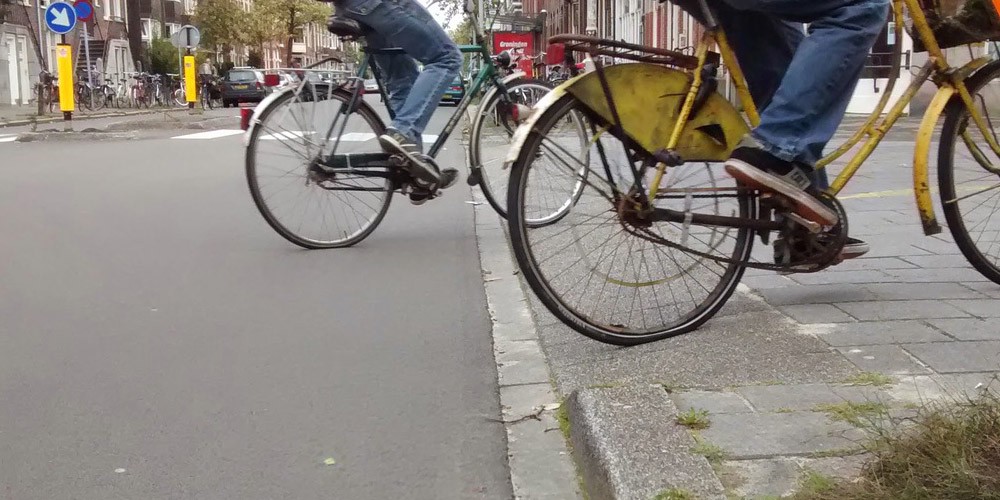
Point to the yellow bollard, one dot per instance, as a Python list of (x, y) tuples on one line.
[(190, 81), (64, 61)]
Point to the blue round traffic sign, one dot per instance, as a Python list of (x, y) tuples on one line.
[(60, 17), (84, 10)]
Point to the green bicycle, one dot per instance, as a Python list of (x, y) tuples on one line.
[(317, 173)]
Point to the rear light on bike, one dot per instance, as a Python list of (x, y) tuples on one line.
[(245, 115)]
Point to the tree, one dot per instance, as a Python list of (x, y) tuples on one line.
[(223, 23), (283, 20), (163, 57)]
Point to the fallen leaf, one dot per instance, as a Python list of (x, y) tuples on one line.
[(329, 461)]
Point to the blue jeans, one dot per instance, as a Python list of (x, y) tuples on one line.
[(413, 94), (802, 84)]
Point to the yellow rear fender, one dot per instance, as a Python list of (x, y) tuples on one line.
[(648, 100)]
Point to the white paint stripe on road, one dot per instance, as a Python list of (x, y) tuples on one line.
[(8, 138), (211, 134)]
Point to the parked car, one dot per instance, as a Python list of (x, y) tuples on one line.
[(455, 92), (243, 85), (371, 85)]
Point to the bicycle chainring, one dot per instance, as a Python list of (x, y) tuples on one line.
[(809, 252)]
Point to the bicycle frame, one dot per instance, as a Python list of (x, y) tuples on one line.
[(950, 81), (488, 73)]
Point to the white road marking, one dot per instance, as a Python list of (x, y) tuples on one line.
[(8, 138), (211, 134)]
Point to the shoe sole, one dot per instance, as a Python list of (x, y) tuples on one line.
[(415, 166), (804, 204), (853, 252), (449, 178)]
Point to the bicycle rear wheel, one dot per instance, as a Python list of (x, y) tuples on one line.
[(304, 205), (495, 123), (969, 173), (601, 269)]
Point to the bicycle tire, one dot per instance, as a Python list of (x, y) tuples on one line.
[(617, 330), (493, 178), (956, 122), (260, 199)]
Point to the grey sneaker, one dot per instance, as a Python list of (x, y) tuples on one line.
[(395, 142), (757, 168)]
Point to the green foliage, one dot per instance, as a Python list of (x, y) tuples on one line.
[(222, 23), (281, 20), (163, 57), (694, 419)]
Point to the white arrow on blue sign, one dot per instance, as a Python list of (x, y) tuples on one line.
[(60, 17)]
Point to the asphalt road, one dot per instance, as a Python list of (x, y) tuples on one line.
[(160, 341)]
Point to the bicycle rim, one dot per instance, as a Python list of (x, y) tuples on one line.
[(491, 138), (969, 173), (590, 268), (292, 132)]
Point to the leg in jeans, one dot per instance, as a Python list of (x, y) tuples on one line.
[(765, 60), (407, 24), (806, 109)]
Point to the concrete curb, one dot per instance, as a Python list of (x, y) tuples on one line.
[(41, 120), (625, 438), (539, 461), (84, 135)]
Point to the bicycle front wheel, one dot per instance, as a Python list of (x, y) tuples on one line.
[(604, 268), (969, 172), (495, 123), (311, 206)]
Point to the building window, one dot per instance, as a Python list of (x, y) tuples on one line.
[(150, 29), (172, 28), (189, 6)]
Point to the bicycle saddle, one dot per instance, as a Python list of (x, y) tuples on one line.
[(346, 28)]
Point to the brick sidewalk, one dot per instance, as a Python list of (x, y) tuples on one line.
[(788, 356)]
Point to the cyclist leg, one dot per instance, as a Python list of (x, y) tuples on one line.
[(808, 105), (407, 24)]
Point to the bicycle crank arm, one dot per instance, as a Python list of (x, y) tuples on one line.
[(347, 162), (668, 215)]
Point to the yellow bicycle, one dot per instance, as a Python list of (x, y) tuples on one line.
[(661, 235)]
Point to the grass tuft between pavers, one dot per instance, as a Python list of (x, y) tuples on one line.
[(873, 379), (948, 451), (856, 414), (694, 419), (674, 494)]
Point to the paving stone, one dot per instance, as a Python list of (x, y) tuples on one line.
[(901, 309), (775, 477), (937, 246), (887, 359), (817, 294), (757, 435), (958, 357), (937, 261), (874, 263), (916, 291), (816, 313), (767, 281), (982, 308), (951, 275), (969, 328), (830, 277), (714, 402), (985, 287), (848, 467), (880, 333), (803, 396)]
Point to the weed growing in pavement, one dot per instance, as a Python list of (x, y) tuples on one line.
[(856, 414), (674, 494), (694, 419), (562, 416), (950, 450), (711, 452), (870, 378)]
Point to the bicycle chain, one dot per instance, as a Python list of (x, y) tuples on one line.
[(820, 262)]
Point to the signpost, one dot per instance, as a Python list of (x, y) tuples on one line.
[(187, 38), (84, 13), (60, 18)]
